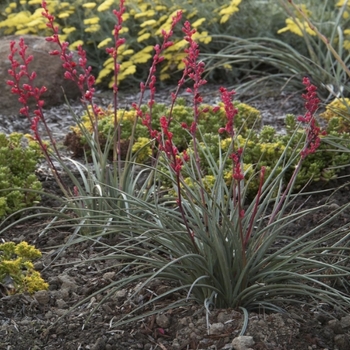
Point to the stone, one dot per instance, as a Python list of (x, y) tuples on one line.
[(336, 326), (108, 275), (61, 304), (216, 328), (100, 344), (42, 297), (163, 321), (68, 283), (345, 322), (243, 342), (48, 68), (342, 342)]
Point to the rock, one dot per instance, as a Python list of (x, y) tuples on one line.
[(100, 344), (61, 304), (163, 321), (342, 342), (68, 283), (176, 345), (336, 326), (48, 68), (108, 275), (345, 322), (243, 342), (42, 297), (120, 293), (216, 328)]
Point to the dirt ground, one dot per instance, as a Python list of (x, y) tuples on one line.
[(40, 321)]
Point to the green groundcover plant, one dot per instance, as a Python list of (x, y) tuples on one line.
[(17, 272), (262, 147), (19, 185), (216, 247)]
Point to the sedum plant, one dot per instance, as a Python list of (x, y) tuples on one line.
[(17, 272), (337, 113), (19, 185), (262, 147), (211, 120), (216, 246)]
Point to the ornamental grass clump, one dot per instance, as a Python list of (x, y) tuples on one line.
[(297, 47), (217, 248)]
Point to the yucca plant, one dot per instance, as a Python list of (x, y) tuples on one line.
[(216, 247)]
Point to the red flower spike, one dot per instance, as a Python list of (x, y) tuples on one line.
[(313, 131), (230, 110), (83, 80)]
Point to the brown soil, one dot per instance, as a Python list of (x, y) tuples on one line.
[(26, 321)]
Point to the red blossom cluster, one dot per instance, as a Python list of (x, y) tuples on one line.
[(230, 111), (26, 91), (171, 151), (85, 80), (237, 172), (113, 51), (193, 70), (313, 131), (165, 137)]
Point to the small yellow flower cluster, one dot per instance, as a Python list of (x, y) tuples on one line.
[(141, 149), (346, 15), (339, 108), (342, 3), (298, 25), (20, 20), (226, 11), (105, 114), (17, 273)]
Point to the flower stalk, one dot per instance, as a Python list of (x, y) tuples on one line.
[(312, 142), (27, 91)]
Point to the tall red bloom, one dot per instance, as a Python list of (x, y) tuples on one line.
[(230, 111), (82, 76), (313, 131)]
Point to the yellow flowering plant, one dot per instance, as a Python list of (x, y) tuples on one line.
[(327, 41), (76, 141), (338, 112), (17, 272), (87, 23), (303, 38)]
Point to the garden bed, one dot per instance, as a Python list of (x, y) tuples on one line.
[(26, 321)]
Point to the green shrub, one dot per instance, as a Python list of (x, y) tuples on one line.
[(17, 273), (211, 121), (18, 158), (262, 148)]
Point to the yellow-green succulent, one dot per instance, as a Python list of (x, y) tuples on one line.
[(17, 272)]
